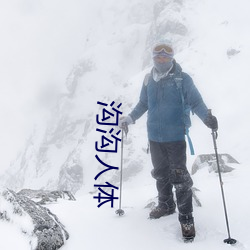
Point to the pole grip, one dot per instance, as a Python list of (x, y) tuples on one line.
[(214, 132)]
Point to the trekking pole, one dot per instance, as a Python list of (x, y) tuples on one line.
[(229, 240), (120, 211)]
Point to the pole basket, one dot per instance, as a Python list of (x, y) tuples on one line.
[(120, 212)]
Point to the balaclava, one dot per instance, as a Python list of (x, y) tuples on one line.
[(163, 49)]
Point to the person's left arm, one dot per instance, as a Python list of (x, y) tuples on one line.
[(193, 97)]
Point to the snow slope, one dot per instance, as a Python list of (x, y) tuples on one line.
[(100, 228), (215, 28)]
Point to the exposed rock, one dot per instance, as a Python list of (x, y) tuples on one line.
[(168, 23), (70, 177), (77, 72), (209, 160), (48, 230), (44, 196), (152, 203), (232, 52)]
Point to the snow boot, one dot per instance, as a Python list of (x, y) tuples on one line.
[(187, 227), (188, 231), (160, 211)]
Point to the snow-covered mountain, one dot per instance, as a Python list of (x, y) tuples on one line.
[(57, 153), (211, 43), (116, 56), (58, 156)]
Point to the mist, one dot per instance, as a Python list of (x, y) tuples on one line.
[(40, 42)]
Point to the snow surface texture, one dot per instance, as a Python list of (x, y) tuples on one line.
[(109, 44)]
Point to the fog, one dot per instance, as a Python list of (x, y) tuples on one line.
[(40, 42)]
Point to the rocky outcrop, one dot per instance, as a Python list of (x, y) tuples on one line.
[(209, 161), (45, 231), (43, 197)]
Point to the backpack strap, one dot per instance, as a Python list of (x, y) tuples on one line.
[(178, 80)]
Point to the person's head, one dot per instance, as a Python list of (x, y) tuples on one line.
[(163, 53)]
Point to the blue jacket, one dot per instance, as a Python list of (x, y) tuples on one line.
[(163, 101)]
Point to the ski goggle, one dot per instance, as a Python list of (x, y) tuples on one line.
[(163, 50)]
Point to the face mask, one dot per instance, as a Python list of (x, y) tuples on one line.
[(163, 67)]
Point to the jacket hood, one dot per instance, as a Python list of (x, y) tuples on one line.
[(176, 68)]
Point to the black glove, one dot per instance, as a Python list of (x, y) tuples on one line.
[(211, 122)]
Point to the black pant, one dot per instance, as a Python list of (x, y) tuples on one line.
[(169, 162)]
